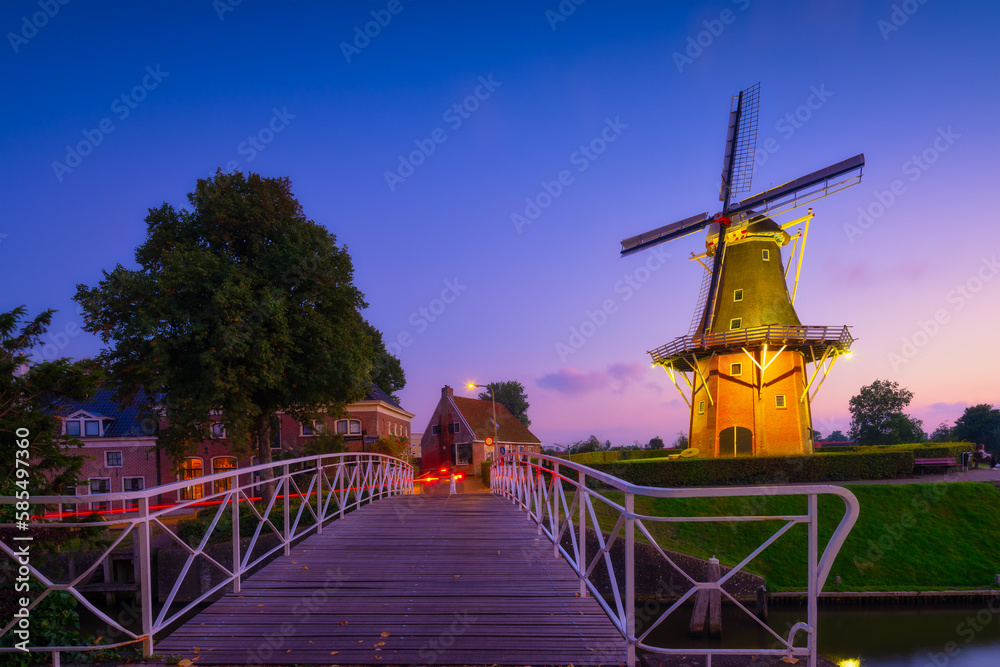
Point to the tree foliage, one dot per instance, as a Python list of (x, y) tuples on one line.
[(387, 372), (511, 395), (980, 424), (591, 444), (877, 415), (240, 308), (31, 396), (656, 443), (836, 436)]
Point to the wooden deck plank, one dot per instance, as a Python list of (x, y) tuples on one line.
[(461, 579)]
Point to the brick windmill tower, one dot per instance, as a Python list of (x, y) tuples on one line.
[(745, 362)]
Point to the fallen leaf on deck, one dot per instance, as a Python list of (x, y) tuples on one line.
[(384, 634), (789, 659), (344, 623), (334, 652), (184, 663)]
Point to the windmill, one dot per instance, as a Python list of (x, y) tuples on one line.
[(745, 360)]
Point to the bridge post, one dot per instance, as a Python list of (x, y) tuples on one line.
[(581, 492), (145, 577), (285, 529), (630, 578), (813, 574), (237, 561), (319, 497)]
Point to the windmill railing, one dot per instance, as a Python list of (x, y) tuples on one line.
[(566, 500), (793, 336), (281, 503)]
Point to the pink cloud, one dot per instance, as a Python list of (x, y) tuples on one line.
[(573, 382)]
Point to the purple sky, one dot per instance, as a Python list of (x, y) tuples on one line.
[(160, 94)]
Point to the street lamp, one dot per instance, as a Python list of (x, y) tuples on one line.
[(494, 398)]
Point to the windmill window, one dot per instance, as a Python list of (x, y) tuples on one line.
[(766, 255), (735, 323), (738, 295), (736, 369), (701, 407), (779, 401)]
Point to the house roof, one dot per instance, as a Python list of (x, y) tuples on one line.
[(129, 422), (376, 394), (478, 414)]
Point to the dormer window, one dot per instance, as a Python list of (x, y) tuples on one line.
[(83, 424)]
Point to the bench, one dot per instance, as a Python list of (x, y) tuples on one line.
[(929, 462)]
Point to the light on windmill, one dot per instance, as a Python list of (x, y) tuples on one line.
[(848, 355)]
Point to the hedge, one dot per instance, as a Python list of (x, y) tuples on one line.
[(612, 455), (920, 449), (763, 470)]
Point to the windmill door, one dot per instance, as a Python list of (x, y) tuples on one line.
[(736, 441)]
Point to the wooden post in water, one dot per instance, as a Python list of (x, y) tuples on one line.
[(708, 606), (762, 603)]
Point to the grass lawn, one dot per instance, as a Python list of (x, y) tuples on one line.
[(908, 537)]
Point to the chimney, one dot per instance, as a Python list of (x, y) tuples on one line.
[(447, 392)]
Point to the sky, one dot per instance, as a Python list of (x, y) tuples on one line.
[(482, 161)]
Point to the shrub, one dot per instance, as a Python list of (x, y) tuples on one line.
[(485, 471)]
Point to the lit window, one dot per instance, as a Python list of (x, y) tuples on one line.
[(766, 255), (223, 464), (735, 323), (132, 484), (738, 295), (113, 459), (218, 430), (779, 400), (701, 407), (191, 469), (736, 369)]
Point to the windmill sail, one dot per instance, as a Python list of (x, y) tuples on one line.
[(741, 142)]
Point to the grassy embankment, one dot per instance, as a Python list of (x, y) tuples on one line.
[(908, 537)]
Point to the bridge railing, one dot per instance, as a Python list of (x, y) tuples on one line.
[(282, 502), (560, 496)]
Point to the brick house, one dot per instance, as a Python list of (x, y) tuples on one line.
[(457, 431), (120, 445)]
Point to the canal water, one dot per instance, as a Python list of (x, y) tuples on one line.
[(965, 635)]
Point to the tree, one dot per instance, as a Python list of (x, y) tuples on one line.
[(656, 443), (943, 433), (510, 395), (592, 444), (980, 424), (240, 308), (31, 396), (877, 415), (387, 372), (680, 442), (836, 436)]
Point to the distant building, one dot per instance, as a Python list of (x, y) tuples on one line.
[(120, 444), (457, 431), (415, 451)]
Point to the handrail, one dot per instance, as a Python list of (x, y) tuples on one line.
[(536, 483), (793, 334), (337, 482)]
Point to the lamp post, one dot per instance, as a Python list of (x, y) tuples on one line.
[(494, 398)]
